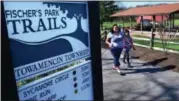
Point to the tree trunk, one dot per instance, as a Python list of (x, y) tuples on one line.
[(78, 18)]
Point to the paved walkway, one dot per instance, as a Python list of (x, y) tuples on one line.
[(142, 82)]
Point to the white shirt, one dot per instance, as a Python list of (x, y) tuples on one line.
[(116, 40)]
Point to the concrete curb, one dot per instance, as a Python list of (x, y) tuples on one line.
[(156, 48)]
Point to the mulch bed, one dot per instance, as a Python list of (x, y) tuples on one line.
[(154, 57)]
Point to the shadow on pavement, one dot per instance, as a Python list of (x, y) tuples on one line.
[(120, 58), (137, 63), (135, 57), (169, 67), (107, 58), (150, 70), (167, 92), (155, 62)]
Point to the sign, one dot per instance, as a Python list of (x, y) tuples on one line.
[(71, 84), (45, 36), (39, 38)]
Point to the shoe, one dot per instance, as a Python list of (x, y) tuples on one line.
[(121, 73), (115, 68), (118, 71)]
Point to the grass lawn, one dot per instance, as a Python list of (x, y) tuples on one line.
[(108, 25), (169, 46), (140, 36), (142, 42), (157, 44), (177, 22)]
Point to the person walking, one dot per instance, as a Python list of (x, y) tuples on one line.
[(128, 44), (115, 42)]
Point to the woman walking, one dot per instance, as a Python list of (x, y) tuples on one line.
[(115, 42), (128, 44)]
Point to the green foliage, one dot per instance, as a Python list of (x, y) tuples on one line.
[(107, 8)]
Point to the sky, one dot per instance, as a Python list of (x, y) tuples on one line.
[(133, 4)]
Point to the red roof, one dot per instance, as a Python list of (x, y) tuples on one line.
[(149, 10), (158, 18)]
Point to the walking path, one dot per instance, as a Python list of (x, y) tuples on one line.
[(142, 82)]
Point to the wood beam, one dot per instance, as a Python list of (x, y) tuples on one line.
[(153, 18), (141, 24), (152, 34), (131, 22), (123, 22), (170, 22), (162, 22), (173, 18)]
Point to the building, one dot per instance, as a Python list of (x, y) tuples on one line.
[(158, 18)]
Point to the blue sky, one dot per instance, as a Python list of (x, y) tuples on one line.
[(133, 4)]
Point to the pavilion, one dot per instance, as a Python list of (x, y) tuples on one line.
[(154, 10)]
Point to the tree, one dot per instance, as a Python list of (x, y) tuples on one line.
[(103, 13), (107, 8), (76, 11)]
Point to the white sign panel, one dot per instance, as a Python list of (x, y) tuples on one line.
[(45, 36), (72, 84)]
